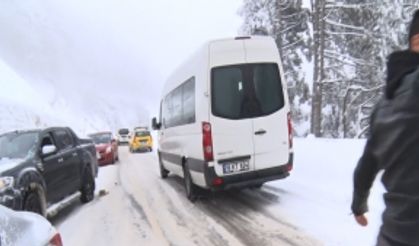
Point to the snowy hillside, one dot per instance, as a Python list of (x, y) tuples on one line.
[(24, 107), (20, 105), (82, 77)]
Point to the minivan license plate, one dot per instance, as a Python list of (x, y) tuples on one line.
[(236, 166)]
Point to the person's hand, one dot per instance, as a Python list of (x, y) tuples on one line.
[(361, 220)]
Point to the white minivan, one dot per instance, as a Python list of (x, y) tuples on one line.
[(225, 117)]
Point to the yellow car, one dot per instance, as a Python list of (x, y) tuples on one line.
[(141, 141)]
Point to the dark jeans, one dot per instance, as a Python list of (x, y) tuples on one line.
[(385, 241)]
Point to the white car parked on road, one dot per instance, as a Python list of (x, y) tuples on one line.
[(26, 228), (225, 117), (123, 136)]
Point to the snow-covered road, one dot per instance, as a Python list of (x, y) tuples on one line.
[(142, 209), (311, 207)]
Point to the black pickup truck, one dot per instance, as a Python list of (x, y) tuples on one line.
[(41, 167)]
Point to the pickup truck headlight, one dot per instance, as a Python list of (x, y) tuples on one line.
[(6, 182), (108, 149)]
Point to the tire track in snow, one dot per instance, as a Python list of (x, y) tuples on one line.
[(108, 220), (180, 226), (224, 218), (135, 205), (249, 230)]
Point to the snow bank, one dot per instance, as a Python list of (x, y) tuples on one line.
[(317, 196)]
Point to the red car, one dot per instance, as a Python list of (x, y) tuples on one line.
[(106, 147)]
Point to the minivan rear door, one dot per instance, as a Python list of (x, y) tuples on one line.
[(232, 131), (270, 124)]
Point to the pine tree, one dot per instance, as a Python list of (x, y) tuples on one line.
[(346, 42), (287, 23)]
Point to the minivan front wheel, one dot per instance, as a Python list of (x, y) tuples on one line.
[(190, 187), (163, 172)]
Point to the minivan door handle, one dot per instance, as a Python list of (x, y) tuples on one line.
[(260, 132)]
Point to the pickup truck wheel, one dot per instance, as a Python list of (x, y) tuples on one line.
[(88, 187), (190, 188), (113, 159), (33, 203)]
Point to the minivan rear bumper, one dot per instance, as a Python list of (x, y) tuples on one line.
[(249, 178)]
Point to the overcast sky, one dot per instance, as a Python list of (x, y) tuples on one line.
[(124, 49)]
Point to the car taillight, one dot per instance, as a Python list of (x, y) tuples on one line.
[(217, 181), (290, 131), (207, 141), (289, 167), (56, 240)]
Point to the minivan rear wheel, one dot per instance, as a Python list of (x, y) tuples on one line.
[(190, 188), (163, 172)]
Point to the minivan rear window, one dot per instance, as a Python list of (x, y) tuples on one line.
[(246, 91), (123, 131)]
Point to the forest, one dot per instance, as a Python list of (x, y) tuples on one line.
[(334, 55)]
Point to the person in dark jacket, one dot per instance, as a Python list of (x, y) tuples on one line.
[(393, 146)]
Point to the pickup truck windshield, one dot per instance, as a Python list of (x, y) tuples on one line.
[(17, 145), (101, 138)]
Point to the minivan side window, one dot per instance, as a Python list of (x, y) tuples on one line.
[(246, 91), (175, 109), (188, 101), (63, 139), (178, 107)]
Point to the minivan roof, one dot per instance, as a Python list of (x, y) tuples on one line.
[(262, 44)]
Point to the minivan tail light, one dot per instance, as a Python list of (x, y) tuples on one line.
[(290, 131), (56, 240), (217, 181), (207, 141)]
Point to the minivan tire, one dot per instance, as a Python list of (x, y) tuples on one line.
[(33, 203), (163, 172), (190, 188), (88, 187)]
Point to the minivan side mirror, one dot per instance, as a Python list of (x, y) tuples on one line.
[(48, 150), (154, 124)]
